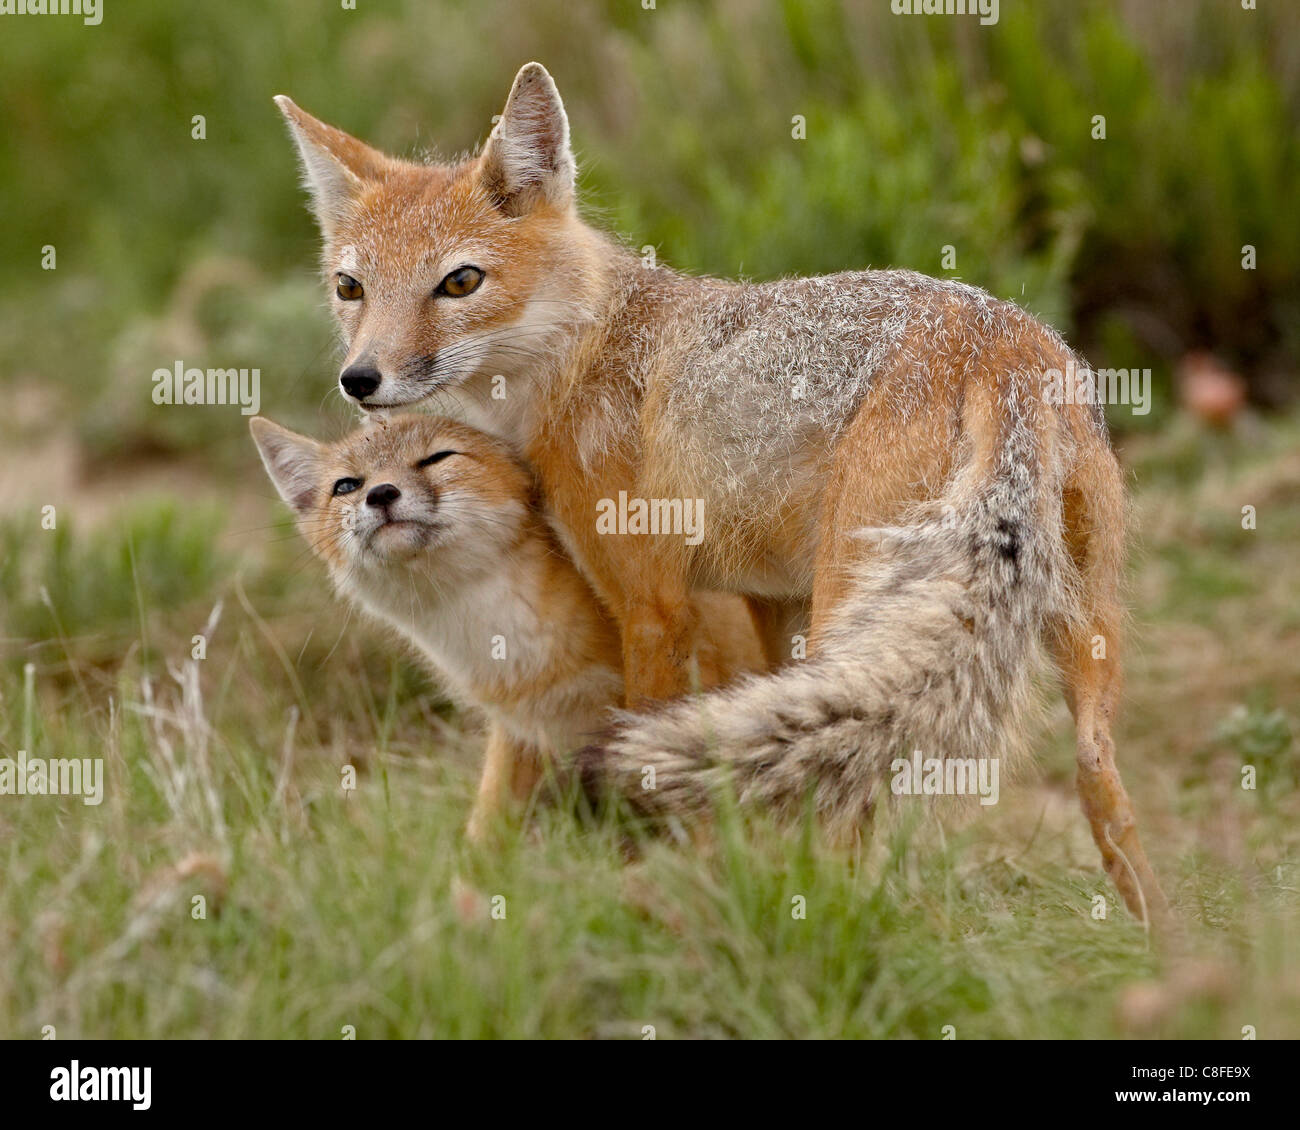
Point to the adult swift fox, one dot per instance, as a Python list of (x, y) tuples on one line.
[(434, 529), (877, 447)]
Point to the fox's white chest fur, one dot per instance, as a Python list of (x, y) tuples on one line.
[(493, 649)]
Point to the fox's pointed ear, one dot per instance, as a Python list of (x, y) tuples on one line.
[(527, 159), (295, 463), (335, 165)]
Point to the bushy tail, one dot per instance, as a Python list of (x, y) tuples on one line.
[(933, 650)]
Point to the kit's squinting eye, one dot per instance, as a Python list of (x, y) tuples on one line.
[(346, 486), (437, 457), (348, 288), (462, 281)]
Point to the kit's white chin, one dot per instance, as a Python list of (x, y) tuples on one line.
[(400, 541)]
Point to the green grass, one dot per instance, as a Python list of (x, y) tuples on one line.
[(326, 910), (922, 134)]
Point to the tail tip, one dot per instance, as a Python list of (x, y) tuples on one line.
[(588, 765)]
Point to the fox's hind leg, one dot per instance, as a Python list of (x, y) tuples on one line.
[(1093, 693), (779, 624), (1088, 656)]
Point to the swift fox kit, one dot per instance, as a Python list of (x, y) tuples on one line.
[(874, 447), (433, 528)]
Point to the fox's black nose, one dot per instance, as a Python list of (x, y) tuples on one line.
[(382, 495), (359, 381)]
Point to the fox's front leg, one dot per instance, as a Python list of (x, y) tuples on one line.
[(658, 626), (510, 773), (641, 578)]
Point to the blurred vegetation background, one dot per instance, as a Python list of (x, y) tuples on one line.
[(921, 133)]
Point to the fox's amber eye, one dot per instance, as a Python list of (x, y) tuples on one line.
[(436, 457), (462, 281), (349, 289), (347, 486)]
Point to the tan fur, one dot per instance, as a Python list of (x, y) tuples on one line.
[(472, 576), (873, 446)]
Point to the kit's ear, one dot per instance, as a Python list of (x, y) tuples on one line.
[(335, 165), (527, 159), (294, 462)]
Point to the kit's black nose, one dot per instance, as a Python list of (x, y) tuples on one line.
[(382, 495)]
